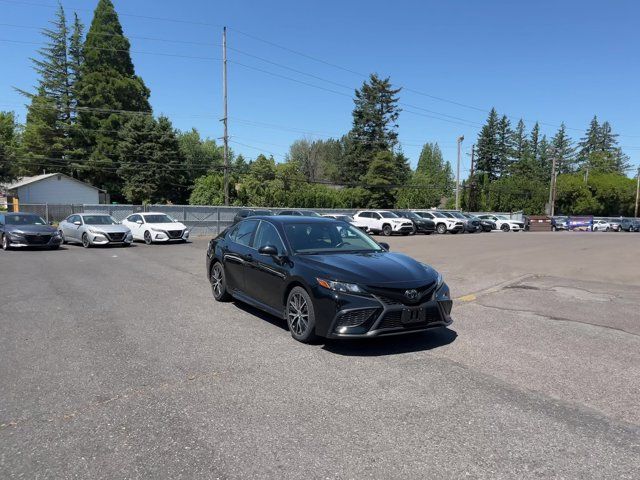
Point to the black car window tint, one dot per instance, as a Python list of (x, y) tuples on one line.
[(244, 233), (268, 235)]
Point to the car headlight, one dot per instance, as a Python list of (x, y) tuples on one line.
[(96, 232), (16, 234), (339, 286), (55, 234), (157, 230)]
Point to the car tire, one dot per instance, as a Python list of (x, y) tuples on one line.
[(386, 230), (505, 227), (595, 229), (85, 241), (299, 306), (63, 241), (218, 282), (606, 229), (454, 232), (441, 228), (147, 237), (5, 243)]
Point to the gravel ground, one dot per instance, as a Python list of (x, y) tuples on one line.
[(117, 363)]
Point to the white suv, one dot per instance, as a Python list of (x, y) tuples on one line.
[(443, 223), (386, 223)]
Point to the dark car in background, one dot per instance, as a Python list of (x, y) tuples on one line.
[(420, 224), (559, 223), (325, 278), (250, 212), (471, 225), (629, 225), (486, 225), (27, 230), (300, 213)]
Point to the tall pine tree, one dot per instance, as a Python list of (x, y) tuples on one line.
[(488, 158), (374, 130), (563, 151), (108, 88)]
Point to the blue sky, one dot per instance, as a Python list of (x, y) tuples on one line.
[(550, 61)]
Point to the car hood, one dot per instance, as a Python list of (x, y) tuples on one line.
[(35, 229), (167, 226), (109, 228), (375, 268)]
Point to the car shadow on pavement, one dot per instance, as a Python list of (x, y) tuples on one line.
[(392, 345), (267, 317)]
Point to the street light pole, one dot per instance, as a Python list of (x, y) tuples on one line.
[(460, 140), (637, 193)]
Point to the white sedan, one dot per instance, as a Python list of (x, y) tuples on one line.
[(601, 226), (156, 227), (504, 223)]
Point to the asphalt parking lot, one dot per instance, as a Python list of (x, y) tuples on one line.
[(117, 363)]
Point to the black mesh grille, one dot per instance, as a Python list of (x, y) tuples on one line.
[(396, 296), (175, 233), (37, 239), (393, 320), (116, 237), (355, 317)]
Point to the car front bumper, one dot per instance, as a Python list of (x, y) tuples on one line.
[(380, 316), (24, 241), (103, 239), (157, 236)]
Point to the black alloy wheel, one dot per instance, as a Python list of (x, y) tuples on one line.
[(441, 228), (505, 227), (300, 315), (219, 283)]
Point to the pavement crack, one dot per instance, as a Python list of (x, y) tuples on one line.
[(555, 318)]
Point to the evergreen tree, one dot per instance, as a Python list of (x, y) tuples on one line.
[(505, 146), (534, 141), (200, 156), (49, 114), (544, 162), (563, 151), (8, 145), (374, 128), (521, 147), (380, 180), (488, 159), (107, 86), (151, 166), (75, 63), (591, 141), (435, 171)]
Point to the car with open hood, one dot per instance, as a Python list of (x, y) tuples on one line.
[(156, 227), (326, 278), (27, 230), (91, 229)]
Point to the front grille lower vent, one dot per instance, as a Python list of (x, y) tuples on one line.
[(354, 318)]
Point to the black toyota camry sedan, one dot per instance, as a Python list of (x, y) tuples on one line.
[(326, 278)]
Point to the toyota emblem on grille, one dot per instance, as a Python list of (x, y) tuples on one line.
[(411, 294)]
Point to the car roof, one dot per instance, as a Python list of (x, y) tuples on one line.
[(150, 213), (24, 214), (286, 219), (92, 214)]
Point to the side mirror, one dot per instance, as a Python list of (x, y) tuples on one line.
[(139, 222), (384, 245), (268, 250), (51, 222), (77, 222)]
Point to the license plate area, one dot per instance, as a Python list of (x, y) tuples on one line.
[(412, 315)]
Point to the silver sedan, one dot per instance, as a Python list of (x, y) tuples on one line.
[(94, 229)]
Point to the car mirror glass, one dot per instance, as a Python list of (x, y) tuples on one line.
[(384, 245), (139, 222), (78, 223)]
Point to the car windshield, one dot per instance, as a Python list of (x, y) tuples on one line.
[(502, 217), (447, 215), (439, 215), (99, 220), (344, 218), (158, 218), (24, 220), (458, 215), (331, 237), (388, 215), (263, 212), (468, 215), (407, 215)]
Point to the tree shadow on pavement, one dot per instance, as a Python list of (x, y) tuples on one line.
[(392, 345)]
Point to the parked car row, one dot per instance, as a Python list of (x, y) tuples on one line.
[(89, 229), (406, 222), (560, 222)]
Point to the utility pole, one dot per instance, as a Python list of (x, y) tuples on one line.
[(552, 189), (586, 175), (460, 140), (225, 118), (637, 193), (472, 182)]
